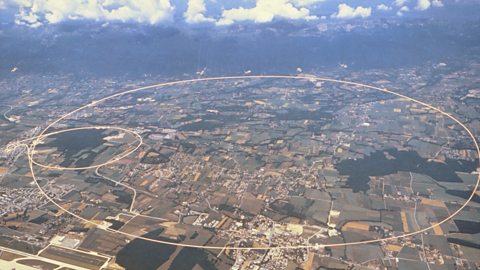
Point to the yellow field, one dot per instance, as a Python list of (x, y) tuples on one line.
[(171, 230), (356, 226), (222, 222), (65, 206), (141, 153), (437, 230), (436, 203), (309, 262), (114, 266), (403, 215), (393, 248)]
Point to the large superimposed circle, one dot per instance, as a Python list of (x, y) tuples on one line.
[(114, 159), (31, 151)]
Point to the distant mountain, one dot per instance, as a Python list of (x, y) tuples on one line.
[(278, 47)]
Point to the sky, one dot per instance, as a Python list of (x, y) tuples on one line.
[(38, 13)]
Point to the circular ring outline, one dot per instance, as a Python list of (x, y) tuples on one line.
[(114, 159), (31, 148)]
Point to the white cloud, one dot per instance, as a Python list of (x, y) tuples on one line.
[(437, 3), (35, 13), (32, 12), (195, 12), (384, 7), (426, 4), (347, 12), (27, 18), (305, 3), (400, 3), (402, 10), (423, 5), (265, 11)]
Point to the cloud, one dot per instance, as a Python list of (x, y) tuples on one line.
[(426, 4), (305, 3), (402, 10), (33, 12), (24, 17), (400, 3), (423, 5), (384, 7), (195, 12), (265, 11), (347, 12), (437, 3)]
